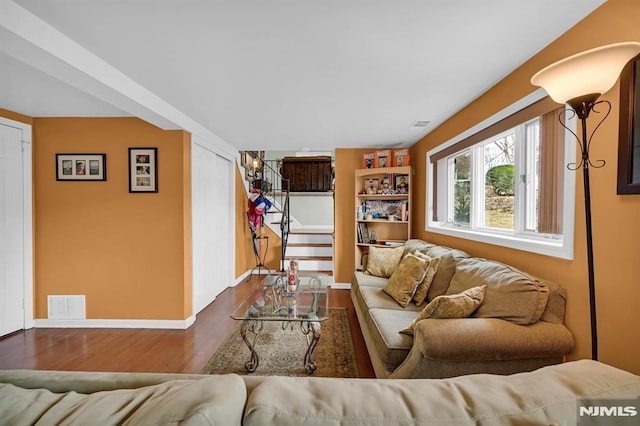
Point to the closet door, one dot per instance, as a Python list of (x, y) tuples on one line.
[(11, 229), (211, 224)]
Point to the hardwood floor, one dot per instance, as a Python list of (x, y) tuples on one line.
[(148, 350)]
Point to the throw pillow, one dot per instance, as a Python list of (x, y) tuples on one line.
[(404, 281), (452, 306), (383, 261), (421, 292)]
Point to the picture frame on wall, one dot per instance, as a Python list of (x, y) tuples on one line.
[(81, 167), (143, 170), (629, 137)]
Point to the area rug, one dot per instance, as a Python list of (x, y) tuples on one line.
[(281, 352)]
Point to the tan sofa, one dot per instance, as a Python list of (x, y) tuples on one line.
[(518, 327), (543, 397)]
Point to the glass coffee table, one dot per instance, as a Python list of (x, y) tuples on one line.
[(270, 301)]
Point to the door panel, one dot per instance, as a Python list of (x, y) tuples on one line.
[(11, 228), (211, 234)]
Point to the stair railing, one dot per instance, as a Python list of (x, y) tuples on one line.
[(275, 186)]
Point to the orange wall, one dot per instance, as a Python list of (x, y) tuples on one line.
[(245, 258), (130, 254), (616, 219), (347, 160)]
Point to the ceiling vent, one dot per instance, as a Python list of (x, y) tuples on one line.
[(420, 124)]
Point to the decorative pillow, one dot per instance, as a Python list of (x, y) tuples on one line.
[(383, 261), (404, 281), (421, 292), (452, 306)]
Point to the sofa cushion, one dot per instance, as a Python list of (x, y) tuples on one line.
[(442, 279), (423, 288), (405, 279), (459, 305), (384, 325), (413, 245), (383, 261), (373, 297), (511, 295), (211, 400), (542, 397)]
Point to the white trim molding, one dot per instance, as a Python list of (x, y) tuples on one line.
[(116, 323)]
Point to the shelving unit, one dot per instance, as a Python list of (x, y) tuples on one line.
[(381, 213)]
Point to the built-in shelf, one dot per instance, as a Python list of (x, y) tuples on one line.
[(382, 205)]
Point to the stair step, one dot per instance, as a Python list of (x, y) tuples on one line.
[(315, 264), (303, 258), (309, 231), (304, 250), (309, 238)]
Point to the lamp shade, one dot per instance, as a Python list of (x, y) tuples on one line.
[(593, 71)]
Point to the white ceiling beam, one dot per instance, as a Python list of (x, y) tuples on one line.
[(33, 41)]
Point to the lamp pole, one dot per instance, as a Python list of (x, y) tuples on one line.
[(583, 106)]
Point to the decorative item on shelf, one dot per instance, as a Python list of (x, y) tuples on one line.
[(371, 186), (374, 237), (386, 186), (383, 158), (401, 157), (368, 160), (402, 184), (579, 80)]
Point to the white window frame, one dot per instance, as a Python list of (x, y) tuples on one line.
[(560, 246)]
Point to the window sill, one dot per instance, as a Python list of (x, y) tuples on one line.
[(546, 246)]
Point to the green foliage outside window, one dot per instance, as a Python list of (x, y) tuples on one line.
[(502, 178)]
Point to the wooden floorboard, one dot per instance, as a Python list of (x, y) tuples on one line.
[(149, 350)]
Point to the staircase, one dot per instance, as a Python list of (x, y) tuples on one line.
[(312, 247)]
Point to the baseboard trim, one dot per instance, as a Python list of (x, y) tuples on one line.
[(247, 273), (116, 323), (341, 286)]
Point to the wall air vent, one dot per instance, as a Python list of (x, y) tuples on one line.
[(66, 307), (420, 124)]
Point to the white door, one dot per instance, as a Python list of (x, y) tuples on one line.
[(211, 197), (11, 231)]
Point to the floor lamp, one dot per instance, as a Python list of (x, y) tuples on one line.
[(579, 80)]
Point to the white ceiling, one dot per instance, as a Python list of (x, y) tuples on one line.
[(278, 74)]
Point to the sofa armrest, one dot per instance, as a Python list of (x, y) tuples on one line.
[(490, 339), (454, 347)]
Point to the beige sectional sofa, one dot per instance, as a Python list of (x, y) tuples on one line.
[(518, 326), (543, 397)]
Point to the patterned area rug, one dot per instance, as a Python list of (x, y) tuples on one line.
[(281, 352)]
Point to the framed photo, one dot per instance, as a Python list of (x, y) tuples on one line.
[(629, 136), (143, 169), (81, 167), (402, 184)]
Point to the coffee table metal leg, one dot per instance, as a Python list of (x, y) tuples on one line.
[(254, 327), (312, 330)]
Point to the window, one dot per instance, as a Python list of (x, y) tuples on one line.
[(505, 181)]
